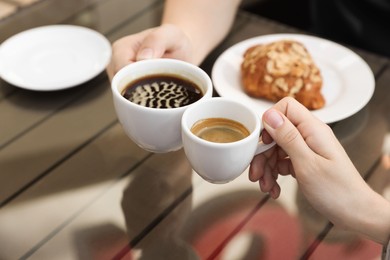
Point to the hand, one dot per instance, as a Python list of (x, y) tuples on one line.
[(167, 41), (308, 150)]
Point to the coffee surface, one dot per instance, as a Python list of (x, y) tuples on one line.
[(219, 130), (162, 91)]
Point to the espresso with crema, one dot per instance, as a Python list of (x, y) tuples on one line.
[(220, 130), (162, 91)]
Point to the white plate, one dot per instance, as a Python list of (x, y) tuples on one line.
[(348, 82), (53, 57)]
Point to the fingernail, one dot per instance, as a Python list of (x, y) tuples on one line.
[(273, 119), (145, 54), (272, 193)]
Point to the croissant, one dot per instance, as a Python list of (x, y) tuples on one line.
[(279, 69)]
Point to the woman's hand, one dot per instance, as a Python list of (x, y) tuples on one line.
[(167, 41), (308, 150)]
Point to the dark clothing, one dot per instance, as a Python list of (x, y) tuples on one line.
[(361, 23), (364, 23)]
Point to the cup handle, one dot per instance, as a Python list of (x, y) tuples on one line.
[(262, 147)]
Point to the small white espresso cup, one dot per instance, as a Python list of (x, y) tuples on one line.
[(222, 162), (155, 129)]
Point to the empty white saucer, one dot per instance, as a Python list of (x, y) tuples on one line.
[(53, 57)]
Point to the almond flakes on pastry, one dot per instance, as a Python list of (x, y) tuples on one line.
[(282, 68)]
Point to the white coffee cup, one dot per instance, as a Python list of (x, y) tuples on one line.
[(155, 129), (222, 162)]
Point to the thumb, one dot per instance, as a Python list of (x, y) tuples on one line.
[(166, 41), (162, 40), (151, 48), (285, 134)]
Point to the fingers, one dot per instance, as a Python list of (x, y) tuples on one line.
[(302, 132), (261, 171), (153, 46), (266, 167), (298, 132), (121, 56), (285, 134), (289, 124), (257, 167), (124, 52), (165, 41), (143, 45)]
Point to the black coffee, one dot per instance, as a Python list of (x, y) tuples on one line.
[(162, 91)]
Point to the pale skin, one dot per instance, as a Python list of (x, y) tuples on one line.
[(185, 35), (309, 151), (306, 148)]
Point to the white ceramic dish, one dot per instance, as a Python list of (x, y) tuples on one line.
[(348, 81), (53, 57)]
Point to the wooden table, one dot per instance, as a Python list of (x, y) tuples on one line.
[(73, 186)]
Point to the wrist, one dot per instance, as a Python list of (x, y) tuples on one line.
[(373, 218)]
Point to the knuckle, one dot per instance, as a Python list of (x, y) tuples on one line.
[(290, 136)]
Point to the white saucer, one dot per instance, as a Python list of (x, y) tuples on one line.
[(348, 81), (53, 57)]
